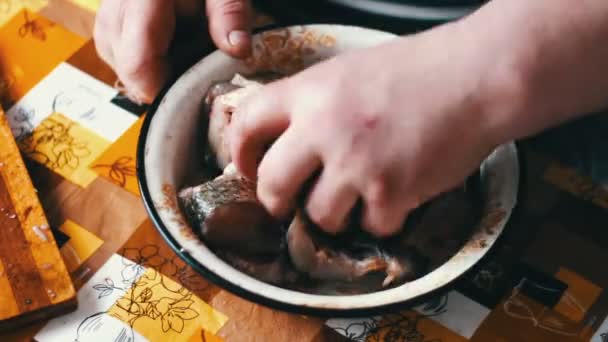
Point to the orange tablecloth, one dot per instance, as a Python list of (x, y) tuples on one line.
[(544, 282)]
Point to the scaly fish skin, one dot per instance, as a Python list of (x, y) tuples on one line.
[(226, 213)]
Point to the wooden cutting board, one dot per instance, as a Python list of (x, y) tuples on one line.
[(34, 281)]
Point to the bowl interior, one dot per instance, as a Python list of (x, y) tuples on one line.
[(170, 147)]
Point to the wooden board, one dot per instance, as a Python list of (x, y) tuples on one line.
[(34, 281)]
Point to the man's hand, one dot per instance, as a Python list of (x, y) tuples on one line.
[(399, 123), (393, 125), (134, 36)]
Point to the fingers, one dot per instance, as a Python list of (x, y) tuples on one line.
[(384, 213), (230, 25), (133, 37), (141, 52), (287, 165), (331, 202), (255, 124), (106, 29)]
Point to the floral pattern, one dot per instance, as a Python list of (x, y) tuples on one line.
[(285, 50), (120, 170), (170, 312), (148, 293), (395, 327), (53, 145), (143, 258), (139, 301), (390, 328), (33, 27)]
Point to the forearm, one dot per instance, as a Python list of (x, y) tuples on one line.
[(547, 62)]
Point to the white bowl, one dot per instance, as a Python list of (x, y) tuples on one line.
[(169, 146)]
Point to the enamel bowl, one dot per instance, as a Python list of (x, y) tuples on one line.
[(170, 146)]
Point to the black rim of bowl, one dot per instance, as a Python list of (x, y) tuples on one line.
[(328, 12), (228, 285)]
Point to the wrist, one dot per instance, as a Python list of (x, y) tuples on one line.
[(500, 83), (537, 67), (484, 81)]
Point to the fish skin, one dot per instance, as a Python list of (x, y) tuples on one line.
[(226, 213), (200, 201)]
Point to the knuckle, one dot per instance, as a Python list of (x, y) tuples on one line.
[(347, 163), (270, 194), (377, 193), (267, 176), (387, 222), (102, 52), (102, 24), (374, 227), (132, 68), (383, 230), (107, 18), (101, 31), (243, 124), (323, 218), (235, 139), (272, 203), (378, 227), (234, 128), (228, 7)]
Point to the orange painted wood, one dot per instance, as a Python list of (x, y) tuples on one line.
[(34, 281)]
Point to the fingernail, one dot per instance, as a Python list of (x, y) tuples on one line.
[(236, 38)]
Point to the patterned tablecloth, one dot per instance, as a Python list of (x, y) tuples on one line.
[(544, 281)]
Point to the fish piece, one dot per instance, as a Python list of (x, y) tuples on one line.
[(218, 89), (323, 261), (431, 235), (217, 150), (275, 271), (220, 102), (444, 226), (226, 213)]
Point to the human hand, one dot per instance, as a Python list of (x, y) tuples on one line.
[(392, 137), (134, 37)]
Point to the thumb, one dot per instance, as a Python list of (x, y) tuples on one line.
[(230, 25)]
